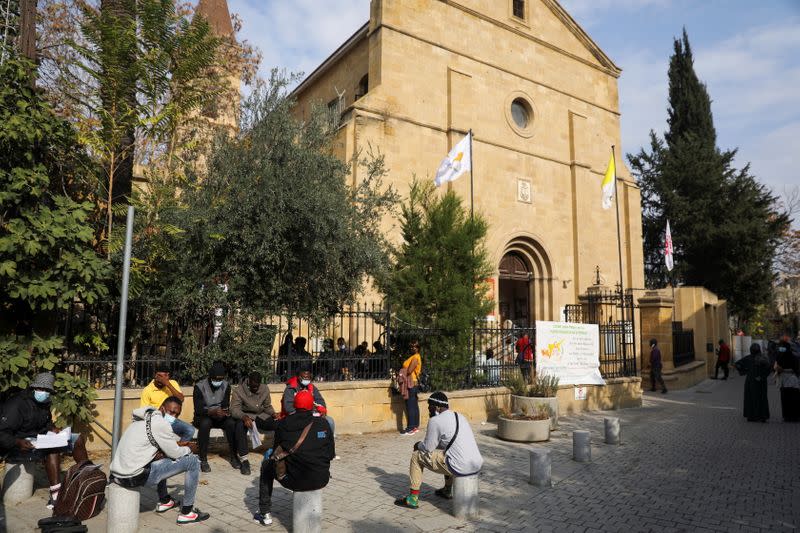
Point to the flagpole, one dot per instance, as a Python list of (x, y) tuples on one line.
[(619, 252), (471, 186)]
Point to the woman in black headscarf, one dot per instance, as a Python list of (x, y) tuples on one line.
[(757, 368)]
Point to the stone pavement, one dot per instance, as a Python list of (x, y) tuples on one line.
[(688, 462)]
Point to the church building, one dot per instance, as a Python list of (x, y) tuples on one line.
[(541, 99)]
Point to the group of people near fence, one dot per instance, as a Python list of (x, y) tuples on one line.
[(336, 362), (159, 445)]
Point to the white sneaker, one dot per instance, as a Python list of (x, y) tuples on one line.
[(263, 519)]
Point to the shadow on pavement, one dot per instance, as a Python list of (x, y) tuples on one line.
[(371, 526), (388, 481)]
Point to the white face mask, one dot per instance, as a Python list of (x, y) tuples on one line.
[(41, 396), (305, 382), (169, 418), (217, 384)]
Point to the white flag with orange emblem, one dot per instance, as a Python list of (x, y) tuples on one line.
[(458, 161)]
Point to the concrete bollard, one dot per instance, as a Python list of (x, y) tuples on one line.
[(307, 512), (466, 497), (123, 509), (612, 430), (541, 468), (18, 483), (581, 446)]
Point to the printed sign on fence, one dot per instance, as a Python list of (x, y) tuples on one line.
[(569, 351)]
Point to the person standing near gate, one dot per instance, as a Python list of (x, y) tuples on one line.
[(655, 367), (723, 358)]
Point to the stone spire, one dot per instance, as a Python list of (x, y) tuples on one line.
[(217, 14)]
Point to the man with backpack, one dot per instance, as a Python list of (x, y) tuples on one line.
[(27, 415), (449, 449), (301, 460), (149, 453)]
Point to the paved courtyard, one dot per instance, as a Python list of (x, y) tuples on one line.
[(688, 462)]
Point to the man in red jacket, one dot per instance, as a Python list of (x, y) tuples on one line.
[(723, 358)]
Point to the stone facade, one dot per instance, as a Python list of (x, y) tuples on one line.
[(421, 73)]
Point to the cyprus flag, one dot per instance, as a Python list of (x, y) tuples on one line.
[(458, 161)]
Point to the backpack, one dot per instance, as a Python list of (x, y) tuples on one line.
[(424, 382), (82, 493), (61, 524)]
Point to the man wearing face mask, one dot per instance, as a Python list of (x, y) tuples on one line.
[(27, 415), (158, 390), (148, 454), (302, 381), (449, 449), (212, 399)]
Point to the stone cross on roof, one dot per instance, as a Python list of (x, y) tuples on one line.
[(218, 16)]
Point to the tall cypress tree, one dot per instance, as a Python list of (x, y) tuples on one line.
[(725, 225)]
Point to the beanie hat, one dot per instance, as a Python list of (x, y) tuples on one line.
[(439, 399), (44, 380), (217, 369), (303, 401)]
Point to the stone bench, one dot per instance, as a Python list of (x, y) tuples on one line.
[(466, 497), (123, 509), (18, 482), (307, 511)]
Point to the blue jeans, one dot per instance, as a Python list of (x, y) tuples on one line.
[(166, 468), (412, 408), (182, 429)]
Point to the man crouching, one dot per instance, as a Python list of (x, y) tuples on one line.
[(449, 449), (302, 458), (149, 452)]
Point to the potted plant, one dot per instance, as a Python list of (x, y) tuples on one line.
[(541, 390), (525, 426)]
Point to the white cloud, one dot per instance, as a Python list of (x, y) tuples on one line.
[(298, 35)]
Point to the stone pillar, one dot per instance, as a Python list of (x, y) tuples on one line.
[(582, 446), (18, 482), (655, 310), (307, 512), (466, 497), (541, 468), (123, 509)]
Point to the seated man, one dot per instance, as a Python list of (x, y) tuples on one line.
[(148, 454), (159, 390), (212, 399), (308, 467), (251, 406), (302, 381), (449, 448), (26, 415)]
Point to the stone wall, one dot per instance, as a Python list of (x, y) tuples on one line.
[(369, 407)]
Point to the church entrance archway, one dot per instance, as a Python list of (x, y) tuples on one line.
[(525, 288)]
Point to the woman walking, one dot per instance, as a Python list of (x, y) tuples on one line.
[(411, 369), (786, 366), (757, 369)]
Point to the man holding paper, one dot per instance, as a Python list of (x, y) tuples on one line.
[(251, 406), (26, 416)]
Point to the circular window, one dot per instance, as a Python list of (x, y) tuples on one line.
[(520, 112)]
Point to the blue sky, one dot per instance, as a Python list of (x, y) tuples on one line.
[(747, 52)]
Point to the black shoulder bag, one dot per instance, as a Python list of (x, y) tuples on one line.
[(454, 434)]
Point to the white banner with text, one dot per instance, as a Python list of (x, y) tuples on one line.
[(569, 351)]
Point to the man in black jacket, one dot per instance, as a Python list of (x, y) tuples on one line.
[(308, 467), (212, 400), (27, 415)]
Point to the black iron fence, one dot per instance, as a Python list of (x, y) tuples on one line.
[(613, 312), (682, 345)]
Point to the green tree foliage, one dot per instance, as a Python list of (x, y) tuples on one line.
[(438, 279), (277, 222), (46, 255), (725, 224)]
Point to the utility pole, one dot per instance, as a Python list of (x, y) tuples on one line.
[(27, 28)]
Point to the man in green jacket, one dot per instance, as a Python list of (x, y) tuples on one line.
[(251, 406)]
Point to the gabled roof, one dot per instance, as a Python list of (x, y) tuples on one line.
[(331, 60), (581, 35)]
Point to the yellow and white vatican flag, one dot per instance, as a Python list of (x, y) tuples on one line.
[(608, 183), (458, 161)]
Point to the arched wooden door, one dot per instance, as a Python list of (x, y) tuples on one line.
[(515, 290)]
